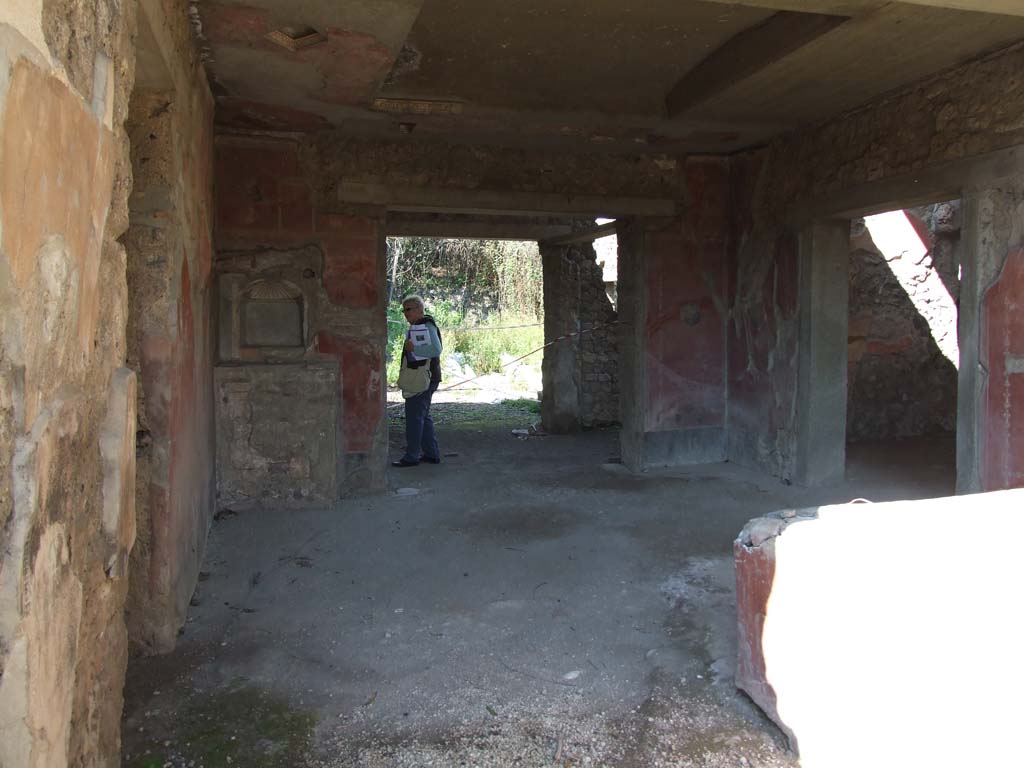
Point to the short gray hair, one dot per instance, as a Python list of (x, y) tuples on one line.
[(415, 298)]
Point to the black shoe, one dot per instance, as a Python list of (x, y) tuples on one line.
[(430, 460), (404, 463)]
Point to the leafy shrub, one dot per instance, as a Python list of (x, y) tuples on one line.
[(468, 283), (481, 349)]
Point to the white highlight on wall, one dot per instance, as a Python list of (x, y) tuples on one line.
[(607, 249), (910, 261)]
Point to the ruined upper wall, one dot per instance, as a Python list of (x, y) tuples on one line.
[(959, 115)]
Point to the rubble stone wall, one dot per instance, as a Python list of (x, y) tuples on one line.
[(899, 381), (277, 431), (67, 404), (599, 352), (581, 380)]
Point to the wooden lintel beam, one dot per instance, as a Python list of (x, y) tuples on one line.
[(489, 202), (747, 53), (584, 235), (475, 230)]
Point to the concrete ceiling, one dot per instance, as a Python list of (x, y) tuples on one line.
[(590, 75)]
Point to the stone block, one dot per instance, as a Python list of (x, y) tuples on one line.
[(278, 433), (853, 626)]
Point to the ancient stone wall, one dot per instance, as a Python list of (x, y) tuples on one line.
[(580, 371), (334, 158), (277, 433), (67, 404), (955, 117), (266, 213), (599, 352), (170, 294), (275, 318), (900, 382), (560, 402)]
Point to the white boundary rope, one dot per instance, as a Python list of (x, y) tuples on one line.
[(564, 337), (478, 327)]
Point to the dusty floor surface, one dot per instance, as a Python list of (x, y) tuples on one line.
[(526, 603)]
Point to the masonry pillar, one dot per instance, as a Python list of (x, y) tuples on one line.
[(560, 403), (672, 282), (821, 396), (632, 318), (990, 412), (580, 372)]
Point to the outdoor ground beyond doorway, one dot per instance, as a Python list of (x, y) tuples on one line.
[(524, 600)]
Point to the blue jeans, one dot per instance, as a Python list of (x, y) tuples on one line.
[(420, 441)]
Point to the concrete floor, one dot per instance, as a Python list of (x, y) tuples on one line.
[(527, 600)]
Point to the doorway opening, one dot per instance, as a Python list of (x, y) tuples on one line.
[(487, 299), (903, 351)]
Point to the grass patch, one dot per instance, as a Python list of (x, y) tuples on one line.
[(481, 349), (533, 406), (242, 726)]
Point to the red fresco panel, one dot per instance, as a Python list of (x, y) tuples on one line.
[(352, 269), (362, 375), (1003, 349), (685, 347)]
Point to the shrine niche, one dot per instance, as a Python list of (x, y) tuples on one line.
[(267, 305), (278, 400), (271, 315)]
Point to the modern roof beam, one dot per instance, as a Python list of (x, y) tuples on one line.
[(1005, 7), (748, 53), (859, 7), (827, 7)]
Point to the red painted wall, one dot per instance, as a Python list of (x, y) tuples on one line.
[(1003, 349), (264, 200), (176, 374), (686, 303)]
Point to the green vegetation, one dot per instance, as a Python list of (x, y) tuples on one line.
[(242, 726), (468, 283), (523, 403)]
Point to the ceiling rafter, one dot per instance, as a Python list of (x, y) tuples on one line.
[(746, 54)]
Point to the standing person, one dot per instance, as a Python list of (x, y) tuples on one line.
[(422, 347)]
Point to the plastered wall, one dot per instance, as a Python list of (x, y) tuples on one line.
[(673, 285), (266, 205), (170, 321), (67, 403)]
